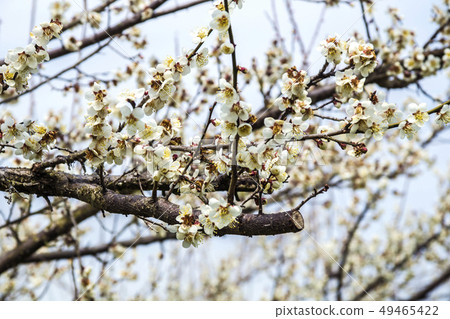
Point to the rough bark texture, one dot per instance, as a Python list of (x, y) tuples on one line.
[(87, 188)]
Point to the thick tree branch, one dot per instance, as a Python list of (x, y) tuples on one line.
[(15, 256), (125, 183), (73, 186), (77, 19)]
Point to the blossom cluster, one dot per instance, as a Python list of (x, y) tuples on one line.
[(28, 138), (20, 63), (373, 117), (150, 139), (359, 55), (119, 125), (216, 215)]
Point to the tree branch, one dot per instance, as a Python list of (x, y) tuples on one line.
[(15, 256), (382, 279), (422, 294), (120, 27), (91, 251), (72, 186), (379, 76)]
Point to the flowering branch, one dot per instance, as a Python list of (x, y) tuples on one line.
[(122, 26), (231, 190), (79, 187), (57, 75)]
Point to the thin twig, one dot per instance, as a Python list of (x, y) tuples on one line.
[(435, 34), (366, 24), (313, 194)]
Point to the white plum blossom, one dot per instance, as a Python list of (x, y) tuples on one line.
[(362, 115), (189, 229), (200, 35), (208, 225), (239, 3), (119, 149), (298, 127), (96, 97), (294, 83), (376, 128), (431, 65), (222, 213), (133, 119), (279, 172), (229, 129), (180, 67), (362, 56), (279, 130), (418, 115), (96, 127), (220, 20), (244, 129), (93, 18), (58, 8), (201, 58), (408, 129), (221, 161), (443, 116), (30, 147), (283, 103), (44, 32), (72, 44), (161, 85), (302, 107), (227, 48), (389, 112), (160, 162), (171, 129), (290, 154), (151, 131), (250, 158), (128, 97), (416, 60), (23, 58), (11, 130), (240, 110), (153, 105), (226, 95), (20, 63), (446, 58), (333, 48), (348, 83), (169, 171)]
